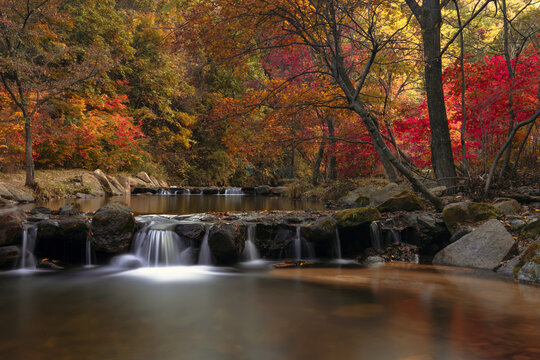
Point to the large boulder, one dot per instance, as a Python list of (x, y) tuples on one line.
[(528, 267), (427, 231), (109, 184), (357, 198), (263, 190), (112, 228), (532, 229), (93, 184), (11, 224), (483, 248), (144, 177), (70, 209), (9, 256), (467, 213), (404, 201), (273, 240), (63, 240), (12, 193), (226, 242), (377, 197), (351, 218), (323, 230), (193, 232)]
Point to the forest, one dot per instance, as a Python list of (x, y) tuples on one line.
[(234, 92)]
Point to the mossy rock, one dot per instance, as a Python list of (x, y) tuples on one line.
[(404, 201), (457, 214), (531, 229), (355, 217), (322, 230), (528, 267)]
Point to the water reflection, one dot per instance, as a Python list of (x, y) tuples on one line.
[(384, 313), (189, 204)]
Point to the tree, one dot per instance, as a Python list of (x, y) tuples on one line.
[(38, 63)]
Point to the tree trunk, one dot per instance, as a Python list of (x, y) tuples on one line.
[(30, 180), (292, 160), (388, 168), (441, 148), (317, 166)]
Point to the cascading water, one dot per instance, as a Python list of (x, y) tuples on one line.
[(298, 244), (338, 246), (158, 247), (88, 253), (301, 244), (234, 191), (28, 260), (394, 237), (186, 191), (167, 192), (205, 255), (250, 251), (376, 235)]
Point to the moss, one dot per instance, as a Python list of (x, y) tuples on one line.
[(532, 254), (531, 229), (404, 201), (356, 217), (482, 211)]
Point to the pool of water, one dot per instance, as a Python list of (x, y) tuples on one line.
[(189, 204), (392, 312)]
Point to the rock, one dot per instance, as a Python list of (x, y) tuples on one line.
[(127, 261), (144, 177), (532, 229), (84, 196), (11, 224), (263, 190), (249, 190), (508, 207), (377, 197), (9, 256), (210, 191), (6, 202), (322, 230), (63, 240), (112, 228), (12, 193), (135, 182), (41, 210), (109, 187), (70, 209), (438, 191), (528, 267), (517, 224), (48, 265), (373, 261), (427, 231), (507, 270), (226, 242), (467, 212), (273, 239), (154, 181), (117, 188), (355, 217), (93, 183), (191, 231), (461, 232), (483, 248), (279, 190), (357, 198), (404, 201)]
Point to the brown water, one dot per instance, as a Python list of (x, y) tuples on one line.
[(393, 312), (189, 204)]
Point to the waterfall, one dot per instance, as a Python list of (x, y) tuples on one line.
[(158, 247), (298, 244), (376, 235), (394, 236), (234, 191), (28, 260), (88, 254), (186, 191), (167, 192), (250, 251), (205, 255), (338, 245)]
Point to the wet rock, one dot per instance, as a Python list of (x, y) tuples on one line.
[(226, 242), (249, 190), (483, 248), (467, 212), (84, 196), (461, 232), (210, 191), (404, 201), (15, 194), (41, 210), (373, 261), (279, 190), (64, 240), (507, 270), (48, 265), (351, 218), (6, 202), (427, 231), (93, 184), (508, 207), (528, 267), (263, 190), (112, 228), (11, 224), (191, 231), (322, 230), (517, 224), (273, 239), (377, 197), (70, 209), (9, 256)]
